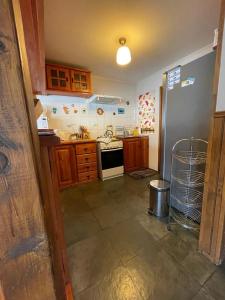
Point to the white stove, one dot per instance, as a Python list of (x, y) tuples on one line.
[(110, 157), (105, 143)]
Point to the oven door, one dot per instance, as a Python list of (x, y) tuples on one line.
[(112, 158)]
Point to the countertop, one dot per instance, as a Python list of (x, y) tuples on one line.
[(49, 140), (132, 137), (62, 142)]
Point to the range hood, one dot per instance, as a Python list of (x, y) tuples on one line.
[(105, 99)]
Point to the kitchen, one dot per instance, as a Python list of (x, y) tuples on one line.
[(110, 134), (112, 103), (99, 116)]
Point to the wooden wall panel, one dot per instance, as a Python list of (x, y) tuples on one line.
[(212, 231), (25, 263), (210, 189), (211, 225), (219, 49), (32, 12)]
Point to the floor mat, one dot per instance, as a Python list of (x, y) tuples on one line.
[(142, 173)]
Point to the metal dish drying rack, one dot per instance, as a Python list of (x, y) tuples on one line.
[(187, 181)]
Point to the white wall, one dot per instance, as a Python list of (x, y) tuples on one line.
[(152, 84), (220, 106), (86, 113), (112, 87)]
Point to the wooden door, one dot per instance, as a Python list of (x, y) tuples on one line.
[(132, 154), (80, 81), (144, 153), (25, 267), (66, 169), (58, 78)]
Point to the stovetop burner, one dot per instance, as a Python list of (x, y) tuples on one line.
[(109, 143)]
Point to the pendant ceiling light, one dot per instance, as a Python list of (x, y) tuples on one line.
[(123, 56)]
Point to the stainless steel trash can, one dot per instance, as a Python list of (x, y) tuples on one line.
[(158, 198)]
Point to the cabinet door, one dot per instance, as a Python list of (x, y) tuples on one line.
[(80, 81), (145, 153), (58, 78), (66, 165), (132, 154)]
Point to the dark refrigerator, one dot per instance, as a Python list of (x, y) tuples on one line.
[(187, 105)]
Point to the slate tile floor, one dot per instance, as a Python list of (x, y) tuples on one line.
[(117, 251)]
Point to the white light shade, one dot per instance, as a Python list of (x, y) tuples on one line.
[(123, 56)]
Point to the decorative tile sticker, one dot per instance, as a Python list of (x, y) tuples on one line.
[(54, 110), (73, 109), (66, 109), (146, 111), (121, 111), (100, 111), (173, 77), (189, 81)]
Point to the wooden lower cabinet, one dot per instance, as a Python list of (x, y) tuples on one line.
[(86, 167), (86, 162), (87, 176), (136, 152), (76, 163), (66, 165), (86, 158), (144, 152)]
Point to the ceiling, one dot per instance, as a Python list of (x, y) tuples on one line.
[(85, 33)]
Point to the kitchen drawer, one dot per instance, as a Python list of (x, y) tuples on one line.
[(87, 167), (87, 176), (86, 159), (86, 148)]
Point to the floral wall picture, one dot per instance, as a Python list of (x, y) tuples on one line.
[(147, 111)]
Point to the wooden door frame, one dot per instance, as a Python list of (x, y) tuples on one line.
[(40, 252), (161, 91), (26, 263), (212, 230), (44, 156)]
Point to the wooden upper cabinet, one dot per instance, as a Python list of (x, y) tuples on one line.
[(62, 80), (32, 13), (58, 78), (80, 81)]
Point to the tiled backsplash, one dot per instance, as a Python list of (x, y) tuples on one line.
[(67, 113)]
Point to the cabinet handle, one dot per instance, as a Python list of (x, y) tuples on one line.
[(85, 149), (67, 79), (86, 158), (72, 79)]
